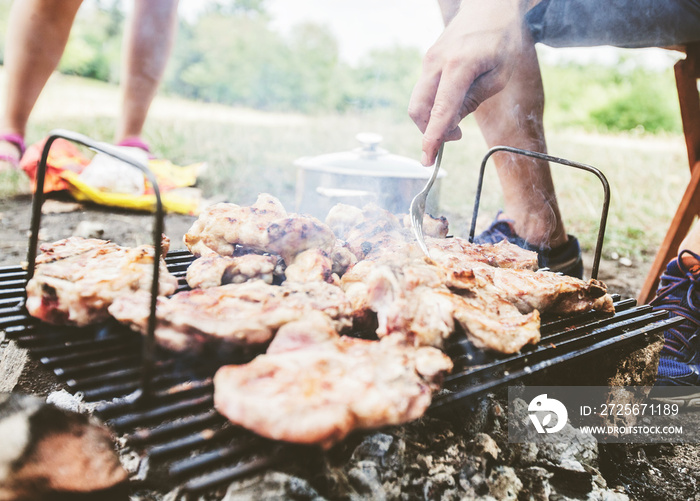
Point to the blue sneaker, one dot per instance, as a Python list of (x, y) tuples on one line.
[(564, 259), (679, 294)]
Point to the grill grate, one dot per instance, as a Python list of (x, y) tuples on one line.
[(184, 440)]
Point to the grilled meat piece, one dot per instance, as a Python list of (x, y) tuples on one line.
[(437, 227), (220, 227), (456, 253), (342, 217), (312, 265), (214, 270), (373, 233), (411, 299), (545, 291), (290, 236), (233, 314), (314, 387), (376, 232), (76, 279), (341, 257), (263, 227)]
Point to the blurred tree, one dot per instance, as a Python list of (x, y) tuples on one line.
[(234, 7), (4, 13), (314, 69), (93, 49), (385, 78), (238, 59)]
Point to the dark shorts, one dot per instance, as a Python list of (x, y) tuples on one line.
[(639, 23)]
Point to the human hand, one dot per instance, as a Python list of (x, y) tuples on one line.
[(471, 61)]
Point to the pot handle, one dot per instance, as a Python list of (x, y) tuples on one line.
[(343, 193)]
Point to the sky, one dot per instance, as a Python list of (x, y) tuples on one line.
[(362, 25)]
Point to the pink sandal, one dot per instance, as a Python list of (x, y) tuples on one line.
[(17, 141), (135, 142)]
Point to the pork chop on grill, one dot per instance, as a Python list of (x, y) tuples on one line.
[(436, 227), (541, 290), (222, 226), (76, 279), (315, 387), (214, 270), (263, 227), (373, 232), (312, 265), (456, 253), (232, 315), (411, 299), (290, 236)]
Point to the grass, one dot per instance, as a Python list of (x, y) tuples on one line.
[(249, 151)]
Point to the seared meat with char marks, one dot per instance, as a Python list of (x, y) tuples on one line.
[(436, 227), (76, 279), (314, 387), (411, 299), (223, 226), (214, 270), (234, 314)]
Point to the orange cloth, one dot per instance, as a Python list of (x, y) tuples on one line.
[(66, 162), (64, 155)]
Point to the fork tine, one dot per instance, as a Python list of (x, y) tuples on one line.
[(417, 208)]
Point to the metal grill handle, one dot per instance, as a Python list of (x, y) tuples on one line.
[(556, 160), (148, 350)]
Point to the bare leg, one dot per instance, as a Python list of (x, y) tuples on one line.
[(513, 117), (147, 48), (691, 242), (37, 34)]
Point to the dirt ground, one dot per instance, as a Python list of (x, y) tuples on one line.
[(645, 472)]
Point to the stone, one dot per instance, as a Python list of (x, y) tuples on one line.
[(536, 484), (485, 446), (639, 367), (366, 480), (271, 485), (504, 484), (89, 229), (524, 454)]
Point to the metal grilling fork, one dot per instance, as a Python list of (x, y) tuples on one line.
[(418, 205)]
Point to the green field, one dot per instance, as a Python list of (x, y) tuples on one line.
[(250, 151)]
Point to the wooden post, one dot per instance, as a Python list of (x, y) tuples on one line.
[(687, 73)]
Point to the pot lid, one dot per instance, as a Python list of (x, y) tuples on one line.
[(368, 160)]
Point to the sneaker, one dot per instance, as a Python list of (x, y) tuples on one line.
[(565, 258), (679, 294)]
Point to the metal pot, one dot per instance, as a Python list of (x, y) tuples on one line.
[(357, 177)]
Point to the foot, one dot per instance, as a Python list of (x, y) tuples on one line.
[(679, 294), (565, 258), (135, 142), (12, 148)]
